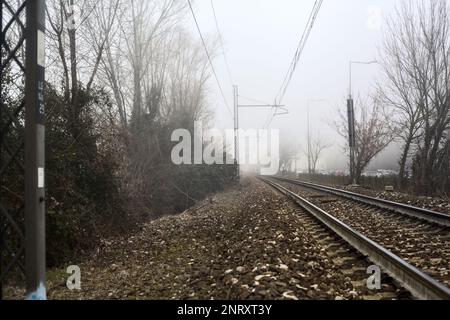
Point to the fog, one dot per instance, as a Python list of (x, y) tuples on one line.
[(260, 39)]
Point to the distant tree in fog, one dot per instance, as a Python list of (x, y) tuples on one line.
[(288, 155), (318, 146)]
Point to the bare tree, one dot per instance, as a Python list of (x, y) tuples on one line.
[(157, 76), (318, 146), (135, 63), (79, 38), (288, 154), (373, 132), (416, 57)]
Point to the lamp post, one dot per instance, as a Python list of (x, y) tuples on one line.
[(351, 120)]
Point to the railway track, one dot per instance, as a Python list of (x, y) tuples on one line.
[(438, 218), (409, 247)]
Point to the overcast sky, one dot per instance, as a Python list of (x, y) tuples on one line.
[(260, 39)]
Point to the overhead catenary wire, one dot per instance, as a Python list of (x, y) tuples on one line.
[(292, 67), (227, 65), (254, 100), (209, 59), (300, 48), (302, 44)]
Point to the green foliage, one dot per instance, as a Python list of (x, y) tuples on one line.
[(82, 188), (99, 183)]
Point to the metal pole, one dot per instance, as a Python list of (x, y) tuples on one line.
[(309, 141), (236, 131), (350, 84), (1, 140), (351, 126), (35, 151), (352, 137)]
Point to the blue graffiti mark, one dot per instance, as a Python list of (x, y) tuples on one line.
[(39, 295)]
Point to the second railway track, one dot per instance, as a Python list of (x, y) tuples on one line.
[(413, 250)]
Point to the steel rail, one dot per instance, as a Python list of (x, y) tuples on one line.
[(412, 279), (438, 218)]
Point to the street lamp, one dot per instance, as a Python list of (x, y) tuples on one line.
[(351, 120)]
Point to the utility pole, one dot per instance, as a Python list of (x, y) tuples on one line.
[(309, 142), (351, 122), (238, 106), (236, 131), (35, 151), (352, 136), (1, 143)]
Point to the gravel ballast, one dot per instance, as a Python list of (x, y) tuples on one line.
[(247, 243)]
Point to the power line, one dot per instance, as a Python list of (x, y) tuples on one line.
[(210, 60), (271, 118), (301, 46), (221, 44), (266, 122), (254, 100), (304, 39)]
